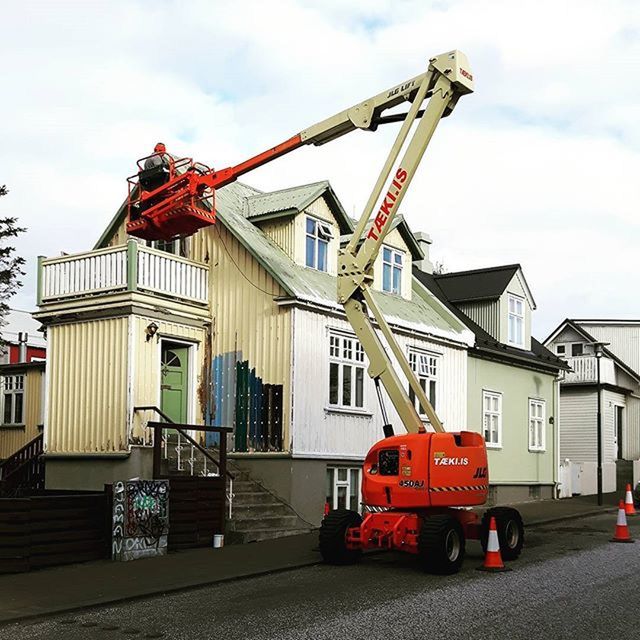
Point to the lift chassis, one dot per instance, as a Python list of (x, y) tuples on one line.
[(417, 488)]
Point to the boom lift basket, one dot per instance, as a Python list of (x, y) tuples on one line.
[(169, 200)]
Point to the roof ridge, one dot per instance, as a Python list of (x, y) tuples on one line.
[(301, 186), (482, 270)]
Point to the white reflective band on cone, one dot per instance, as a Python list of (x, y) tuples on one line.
[(493, 544), (628, 498), (622, 518)]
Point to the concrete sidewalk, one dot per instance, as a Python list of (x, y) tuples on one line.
[(72, 587)]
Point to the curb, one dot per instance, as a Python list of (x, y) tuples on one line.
[(150, 594), (585, 514)]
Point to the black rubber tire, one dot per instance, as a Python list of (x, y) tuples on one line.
[(510, 531), (437, 535), (333, 542)]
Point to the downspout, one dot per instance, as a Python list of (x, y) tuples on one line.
[(556, 432)]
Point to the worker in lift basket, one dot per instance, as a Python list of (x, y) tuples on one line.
[(159, 157)]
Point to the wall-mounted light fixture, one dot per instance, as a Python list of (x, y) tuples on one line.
[(151, 330)]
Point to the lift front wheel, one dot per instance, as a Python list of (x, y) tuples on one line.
[(333, 537), (441, 544)]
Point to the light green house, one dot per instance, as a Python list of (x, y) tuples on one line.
[(512, 388)]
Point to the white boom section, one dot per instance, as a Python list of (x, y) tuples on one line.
[(446, 80)]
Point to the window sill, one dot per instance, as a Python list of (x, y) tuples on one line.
[(347, 411), (493, 446), (537, 450)]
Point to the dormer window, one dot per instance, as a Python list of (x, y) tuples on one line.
[(317, 239), (516, 321), (391, 270)]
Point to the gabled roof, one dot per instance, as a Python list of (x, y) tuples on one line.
[(485, 343), (406, 234), (291, 201), (573, 324), (320, 288), (481, 284)]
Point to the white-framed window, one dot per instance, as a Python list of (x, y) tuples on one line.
[(561, 349), (391, 270), (13, 399), (492, 418), (425, 366), (346, 372), (577, 349), (536, 424), (516, 321), (343, 487), (318, 234)]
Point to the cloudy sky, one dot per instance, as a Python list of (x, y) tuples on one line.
[(539, 166)]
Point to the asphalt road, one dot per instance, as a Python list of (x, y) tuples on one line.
[(570, 582)]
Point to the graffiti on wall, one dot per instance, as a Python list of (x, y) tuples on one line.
[(140, 519)]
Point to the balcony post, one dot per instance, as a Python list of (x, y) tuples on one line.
[(40, 282), (132, 265)]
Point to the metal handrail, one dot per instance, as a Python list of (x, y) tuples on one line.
[(179, 427)]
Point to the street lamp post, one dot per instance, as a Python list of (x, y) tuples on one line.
[(598, 348)]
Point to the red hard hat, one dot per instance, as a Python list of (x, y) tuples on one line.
[(159, 148)]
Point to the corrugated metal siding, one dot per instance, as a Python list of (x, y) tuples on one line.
[(485, 314), (578, 425), (282, 232), (632, 444), (146, 367), (87, 364), (13, 439), (625, 341), (609, 401), (246, 319), (320, 432)]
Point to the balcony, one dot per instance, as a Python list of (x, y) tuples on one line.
[(585, 370), (128, 272)]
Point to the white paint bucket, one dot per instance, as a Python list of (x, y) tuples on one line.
[(218, 540)]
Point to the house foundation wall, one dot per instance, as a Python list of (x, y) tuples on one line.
[(91, 473)]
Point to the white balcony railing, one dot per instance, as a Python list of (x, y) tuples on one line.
[(125, 268), (585, 369)]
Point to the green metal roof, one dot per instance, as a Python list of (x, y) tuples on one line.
[(423, 313)]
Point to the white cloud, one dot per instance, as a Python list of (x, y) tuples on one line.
[(538, 166)]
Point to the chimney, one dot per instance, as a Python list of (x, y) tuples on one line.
[(23, 338), (424, 242)]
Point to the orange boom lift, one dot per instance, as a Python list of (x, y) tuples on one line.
[(416, 487)]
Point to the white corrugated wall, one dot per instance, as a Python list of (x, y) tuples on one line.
[(632, 444), (624, 341), (323, 432), (578, 435)]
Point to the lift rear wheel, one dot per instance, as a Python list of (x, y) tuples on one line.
[(441, 544), (333, 537), (510, 531)]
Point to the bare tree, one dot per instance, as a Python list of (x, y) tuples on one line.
[(10, 264)]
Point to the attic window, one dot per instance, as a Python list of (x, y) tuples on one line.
[(318, 235), (516, 321)]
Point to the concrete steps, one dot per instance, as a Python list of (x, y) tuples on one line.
[(258, 514)]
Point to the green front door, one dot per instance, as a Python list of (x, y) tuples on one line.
[(174, 382)]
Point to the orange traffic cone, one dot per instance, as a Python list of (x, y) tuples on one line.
[(628, 502), (492, 558), (622, 530)]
